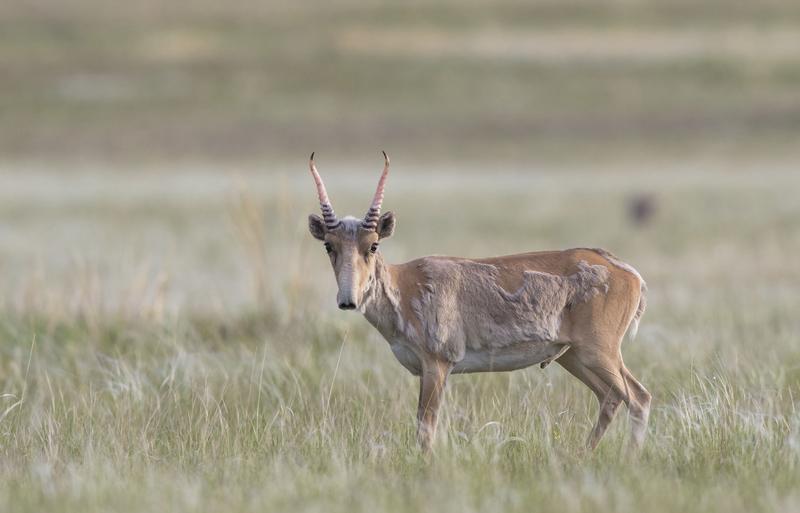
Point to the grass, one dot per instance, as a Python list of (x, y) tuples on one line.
[(177, 348)]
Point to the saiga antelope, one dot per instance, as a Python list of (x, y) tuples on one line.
[(444, 315)]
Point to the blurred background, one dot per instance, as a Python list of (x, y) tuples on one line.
[(445, 82), (131, 133)]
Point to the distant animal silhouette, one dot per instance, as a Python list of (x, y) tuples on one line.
[(642, 209)]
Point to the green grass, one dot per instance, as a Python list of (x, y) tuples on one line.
[(134, 417), (157, 353)]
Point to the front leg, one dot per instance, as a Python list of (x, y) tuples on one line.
[(433, 380)]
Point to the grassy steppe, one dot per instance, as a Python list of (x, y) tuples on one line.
[(173, 344)]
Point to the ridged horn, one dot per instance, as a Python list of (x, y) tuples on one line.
[(328, 215), (371, 219)]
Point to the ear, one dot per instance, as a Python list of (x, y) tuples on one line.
[(385, 227), (316, 226)]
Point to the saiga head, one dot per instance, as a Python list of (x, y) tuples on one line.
[(351, 243)]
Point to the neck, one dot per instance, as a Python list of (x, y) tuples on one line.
[(381, 302)]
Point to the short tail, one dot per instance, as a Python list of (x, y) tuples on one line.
[(633, 329)]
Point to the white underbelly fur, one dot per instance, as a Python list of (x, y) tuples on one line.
[(516, 356)]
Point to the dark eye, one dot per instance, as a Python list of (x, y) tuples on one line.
[(328, 248), (373, 248)]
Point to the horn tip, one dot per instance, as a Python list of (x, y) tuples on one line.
[(312, 155), (385, 157)]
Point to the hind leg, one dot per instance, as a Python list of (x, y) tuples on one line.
[(639, 409), (608, 399), (622, 384)]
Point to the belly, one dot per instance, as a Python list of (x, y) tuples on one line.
[(517, 356)]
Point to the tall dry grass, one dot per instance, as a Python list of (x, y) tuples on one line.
[(125, 389)]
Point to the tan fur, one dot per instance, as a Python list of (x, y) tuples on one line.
[(444, 315), (642, 306), (461, 306)]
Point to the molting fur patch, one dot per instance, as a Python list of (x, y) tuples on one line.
[(462, 307)]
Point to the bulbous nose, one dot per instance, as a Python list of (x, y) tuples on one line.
[(347, 306)]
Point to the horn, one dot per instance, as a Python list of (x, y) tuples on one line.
[(328, 215), (371, 219)]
